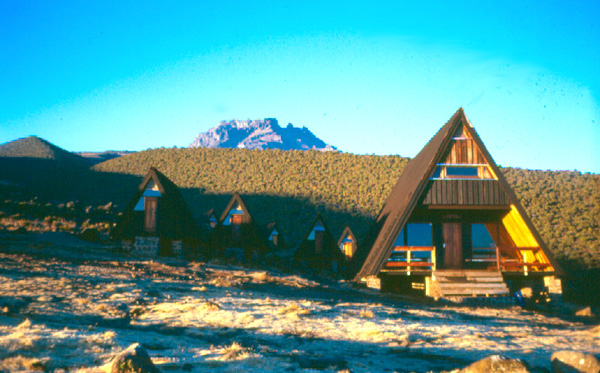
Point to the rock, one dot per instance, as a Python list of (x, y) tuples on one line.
[(586, 312), (574, 362), (134, 359), (106, 207), (496, 364), (90, 235)]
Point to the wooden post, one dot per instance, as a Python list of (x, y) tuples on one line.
[(498, 245), (498, 257)]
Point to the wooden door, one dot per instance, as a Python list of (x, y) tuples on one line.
[(236, 228), (319, 242), (150, 207), (453, 253)]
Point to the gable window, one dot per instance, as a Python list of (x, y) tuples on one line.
[(461, 171)]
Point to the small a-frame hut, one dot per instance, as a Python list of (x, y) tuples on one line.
[(157, 221), (274, 237), (237, 235), (210, 219), (452, 225), (319, 249), (347, 243)]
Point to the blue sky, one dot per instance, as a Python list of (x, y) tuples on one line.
[(367, 77)]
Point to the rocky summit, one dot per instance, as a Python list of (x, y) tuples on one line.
[(259, 134)]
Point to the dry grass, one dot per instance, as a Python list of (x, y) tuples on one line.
[(210, 306), (221, 282), (294, 309), (23, 364)]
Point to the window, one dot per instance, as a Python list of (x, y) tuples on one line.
[(481, 237), (457, 171), (415, 234), (462, 171)]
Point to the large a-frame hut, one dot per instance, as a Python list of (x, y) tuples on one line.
[(157, 221), (237, 235), (319, 249), (453, 226), (347, 243)]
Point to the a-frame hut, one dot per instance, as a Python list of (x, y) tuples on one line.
[(157, 221), (347, 243), (319, 249), (453, 226), (210, 220), (237, 235), (274, 237)]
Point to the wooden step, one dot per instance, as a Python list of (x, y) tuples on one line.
[(466, 273), (469, 283)]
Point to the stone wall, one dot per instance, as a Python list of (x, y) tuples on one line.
[(146, 247), (126, 245), (553, 284), (177, 248)]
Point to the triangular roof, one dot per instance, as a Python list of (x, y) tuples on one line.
[(347, 231), (183, 223), (410, 187), (269, 228), (318, 218), (236, 198), (330, 248)]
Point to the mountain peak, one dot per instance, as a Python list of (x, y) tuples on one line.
[(259, 134), (36, 147)]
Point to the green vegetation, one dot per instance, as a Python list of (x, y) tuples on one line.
[(350, 189), (289, 187)]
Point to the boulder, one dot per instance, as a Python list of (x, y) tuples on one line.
[(585, 312), (494, 364), (90, 235), (574, 362), (134, 359)]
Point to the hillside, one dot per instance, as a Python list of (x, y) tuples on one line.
[(259, 134), (290, 186), (36, 148), (98, 157)]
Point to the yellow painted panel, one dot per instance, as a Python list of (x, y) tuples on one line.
[(517, 229), (522, 237)]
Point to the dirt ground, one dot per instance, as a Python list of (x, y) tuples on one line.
[(66, 305)]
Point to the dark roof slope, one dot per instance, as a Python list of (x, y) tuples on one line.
[(377, 246)]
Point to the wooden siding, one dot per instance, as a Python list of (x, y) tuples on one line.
[(466, 192), (464, 151)]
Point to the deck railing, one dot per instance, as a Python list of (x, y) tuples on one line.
[(405, 259), (516, 261), (409, 259)]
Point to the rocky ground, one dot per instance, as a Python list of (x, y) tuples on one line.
[(67, 305)]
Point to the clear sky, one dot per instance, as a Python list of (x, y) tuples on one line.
[(367, 77)]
